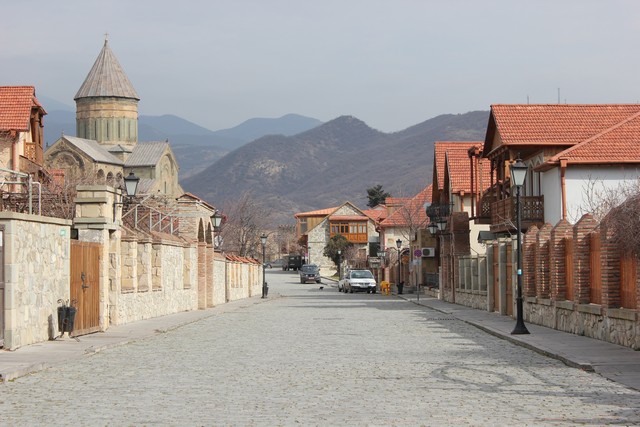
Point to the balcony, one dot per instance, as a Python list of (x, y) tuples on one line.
[(503, 213)]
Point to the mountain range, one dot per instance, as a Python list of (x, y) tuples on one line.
[(332, 163), (194, 146), (295, 163)]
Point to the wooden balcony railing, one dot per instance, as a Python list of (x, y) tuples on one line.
[(354, 237), (503, 213)]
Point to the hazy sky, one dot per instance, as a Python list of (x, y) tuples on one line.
[(392, 63)]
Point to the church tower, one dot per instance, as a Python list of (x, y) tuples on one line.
[(107, 103)]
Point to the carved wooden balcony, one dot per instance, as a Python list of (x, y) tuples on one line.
[(503, 213)]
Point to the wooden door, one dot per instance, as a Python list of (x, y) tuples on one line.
[(85, 286)]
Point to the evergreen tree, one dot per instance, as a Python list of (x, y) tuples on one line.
[(376, 195)]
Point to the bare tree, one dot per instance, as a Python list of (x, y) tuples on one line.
[(247, 219), (618, 209)]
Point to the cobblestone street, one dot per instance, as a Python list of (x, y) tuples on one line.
[(307, 356)]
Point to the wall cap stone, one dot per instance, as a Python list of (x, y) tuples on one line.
[(622, 313), (565, 305), (590, 308), (11, 216)]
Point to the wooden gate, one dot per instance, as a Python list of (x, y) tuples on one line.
[(85, 286)]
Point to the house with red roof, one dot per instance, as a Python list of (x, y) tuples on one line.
[(21, 129), (359, 227), (407, 224), (568, 149)]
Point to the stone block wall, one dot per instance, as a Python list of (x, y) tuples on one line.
[(36, 259), (549, 301)]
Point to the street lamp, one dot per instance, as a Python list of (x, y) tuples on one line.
[(216, 220), (131, 187), (518, 175), (399, 285), (339, 263), (265, 287), (433, 228)]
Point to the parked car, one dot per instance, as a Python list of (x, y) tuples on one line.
[(292, 262), (310, 273), (275, 264), (358, 281)]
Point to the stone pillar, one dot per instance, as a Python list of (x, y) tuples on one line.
[(202, 275), (209, 272), (610, 269), (557, 267), (96, 222), (529, 262), (542, 262), (582, 259)]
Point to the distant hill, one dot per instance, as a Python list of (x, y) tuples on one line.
[(333, 163), (195, 147)]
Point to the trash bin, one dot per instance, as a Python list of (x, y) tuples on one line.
[(400, 288), (62, 314), (71, 318)]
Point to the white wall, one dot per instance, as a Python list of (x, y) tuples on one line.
[(577, 182), (604, 179)]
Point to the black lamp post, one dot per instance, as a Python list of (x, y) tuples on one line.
[(265, 287), (131, 187), (518, 175), (399, 285), (339, 264), (216, 220)]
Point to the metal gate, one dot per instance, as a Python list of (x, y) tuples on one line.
[(85, 286), (1, 285)]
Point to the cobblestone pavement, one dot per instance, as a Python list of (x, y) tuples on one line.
[(307, 356)]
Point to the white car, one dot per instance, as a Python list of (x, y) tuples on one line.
[(358, 281)]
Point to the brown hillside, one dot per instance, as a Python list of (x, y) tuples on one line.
[(332, 163)]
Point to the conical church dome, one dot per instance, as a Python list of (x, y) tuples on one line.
[(107, 103), (106, 78)]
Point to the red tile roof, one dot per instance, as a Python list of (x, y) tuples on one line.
[(412, 213), (553, 124), (618, 144), (459, 168), (459, 163), (396, 201), (376, 214), (320, 212), (16, 103)]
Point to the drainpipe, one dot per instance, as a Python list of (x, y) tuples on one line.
[(563, 169)]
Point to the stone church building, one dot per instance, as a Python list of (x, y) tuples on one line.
[(106, 147)]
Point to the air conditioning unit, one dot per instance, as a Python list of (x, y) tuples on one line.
[(428, 252)]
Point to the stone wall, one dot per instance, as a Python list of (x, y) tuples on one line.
[(168, 265), (558, 282), (36, 260)]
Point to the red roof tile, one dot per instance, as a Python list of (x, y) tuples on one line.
[(320, 212), (459, 163), (618, 144), (553, 124), (412, 213), (16, 103)]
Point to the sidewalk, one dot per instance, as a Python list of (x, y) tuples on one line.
[(617, 363), (36, 357)]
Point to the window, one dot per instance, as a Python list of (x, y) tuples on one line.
[(354, 231)]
